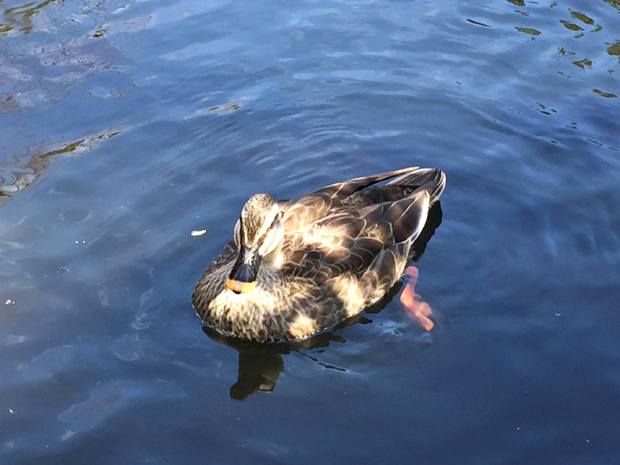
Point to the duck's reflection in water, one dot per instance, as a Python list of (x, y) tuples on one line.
[(257, 373), (260, 364)]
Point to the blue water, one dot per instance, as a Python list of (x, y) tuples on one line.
[(128, 125)]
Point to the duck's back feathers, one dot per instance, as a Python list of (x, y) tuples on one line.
[(346, 228)]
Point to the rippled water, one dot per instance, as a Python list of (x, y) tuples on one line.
[(127, 125)]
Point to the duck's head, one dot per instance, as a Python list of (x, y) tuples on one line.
[(258, 235)]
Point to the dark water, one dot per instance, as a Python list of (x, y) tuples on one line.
[(128, 125)]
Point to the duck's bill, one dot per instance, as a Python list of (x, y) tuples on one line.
[(243, 275), (240, 287)]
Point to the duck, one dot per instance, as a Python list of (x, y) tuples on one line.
[(295, 268)]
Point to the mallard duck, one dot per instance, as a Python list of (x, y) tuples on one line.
[(294, 268)]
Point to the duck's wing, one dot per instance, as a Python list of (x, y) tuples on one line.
[(341, 190), (433, 180), (339, 244), (311, 207), (349, 241)]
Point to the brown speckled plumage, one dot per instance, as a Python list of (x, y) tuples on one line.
[(327, 255)]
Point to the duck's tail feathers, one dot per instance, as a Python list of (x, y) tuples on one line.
[(346, 188), (408, 216), (432, 180)]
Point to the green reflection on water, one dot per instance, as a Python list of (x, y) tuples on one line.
[(571, 26), (528, 30), (604, 94), (583, 63), (581, 17), (23, 14), (5, 29), (67, 149), (614, 49), (614, 3), (563, 52)]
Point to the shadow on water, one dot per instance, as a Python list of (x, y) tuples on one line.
[(260, 364)]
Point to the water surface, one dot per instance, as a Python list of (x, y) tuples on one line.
[(128, 125)]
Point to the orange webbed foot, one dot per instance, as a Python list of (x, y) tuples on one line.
[(417, 310)]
